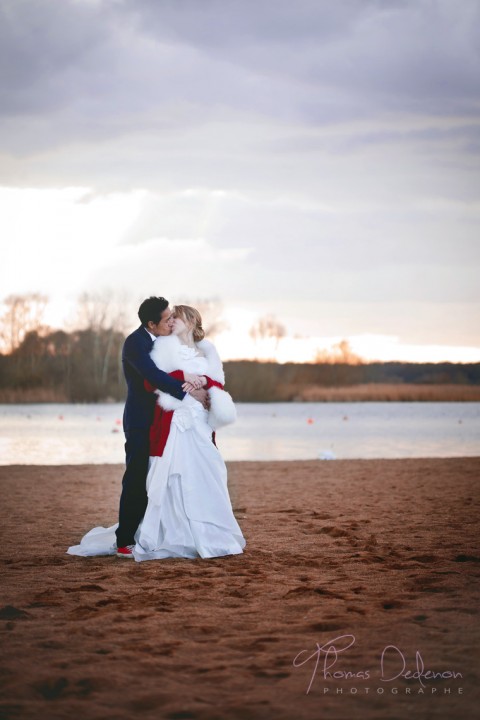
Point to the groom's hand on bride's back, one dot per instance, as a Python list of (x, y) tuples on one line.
[(202, 397)]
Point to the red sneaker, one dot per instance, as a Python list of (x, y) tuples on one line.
[(126, 552)]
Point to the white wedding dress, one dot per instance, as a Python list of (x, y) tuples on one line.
[(189, 513)]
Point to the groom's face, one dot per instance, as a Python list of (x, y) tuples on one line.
[(163, 327)]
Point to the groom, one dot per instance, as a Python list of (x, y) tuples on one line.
[(154, 315)]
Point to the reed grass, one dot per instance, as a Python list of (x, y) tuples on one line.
[(389, 392), (32, 395)]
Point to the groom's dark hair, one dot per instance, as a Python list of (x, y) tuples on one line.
[(152, 309)]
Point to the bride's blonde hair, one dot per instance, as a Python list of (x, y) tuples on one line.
[(191, 316)]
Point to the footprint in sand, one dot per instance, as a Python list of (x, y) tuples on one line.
[(467, 558), (53, 644), (149, 702), (45, 599), (51, 689), (83, 612), (182, 715), (301, 591), (85, 588), (424, 558), (352, 608), (111, 601), (335, 532), (392, 604), (427, 585), (326, 627), (9, 612), (357, 590)]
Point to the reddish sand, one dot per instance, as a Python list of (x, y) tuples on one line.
[(385, 551)]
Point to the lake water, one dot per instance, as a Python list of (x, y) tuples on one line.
[(74, 434)]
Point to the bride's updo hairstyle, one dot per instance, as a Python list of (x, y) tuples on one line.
[(192, 317)]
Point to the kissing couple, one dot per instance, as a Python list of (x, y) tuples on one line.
[(174, 500)]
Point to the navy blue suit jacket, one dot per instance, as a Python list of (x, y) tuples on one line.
[(137, 367)]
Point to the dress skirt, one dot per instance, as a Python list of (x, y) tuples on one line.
[(189, 513)]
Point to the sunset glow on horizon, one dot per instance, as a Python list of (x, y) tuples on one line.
[(93, 226), (235, 342)]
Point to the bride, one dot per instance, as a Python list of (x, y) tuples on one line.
[(189, 513)]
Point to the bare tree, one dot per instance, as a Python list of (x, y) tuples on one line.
[(340, 352), (22, 314), (104, 314), (103, 310), (268, 331)]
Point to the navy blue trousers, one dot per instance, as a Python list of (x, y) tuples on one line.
[(133, 500)]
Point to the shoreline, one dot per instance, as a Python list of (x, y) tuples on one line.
[(305, 461), (232, 463), (363, 392), (383, 552)]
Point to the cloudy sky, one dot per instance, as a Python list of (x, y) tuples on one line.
[(313, 160)]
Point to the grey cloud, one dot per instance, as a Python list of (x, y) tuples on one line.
[(107, 68), (454, 138), (215, 24), (183, 216), (358, 53), (330, 248), (43, 48)]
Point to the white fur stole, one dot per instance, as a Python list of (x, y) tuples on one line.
[(167, 356)]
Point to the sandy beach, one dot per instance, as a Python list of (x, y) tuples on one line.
[(381, 554)]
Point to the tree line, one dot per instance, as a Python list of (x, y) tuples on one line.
[(80, 366), (250, 381), (85, 366)]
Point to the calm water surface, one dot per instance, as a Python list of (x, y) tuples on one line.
[(74, 434)]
